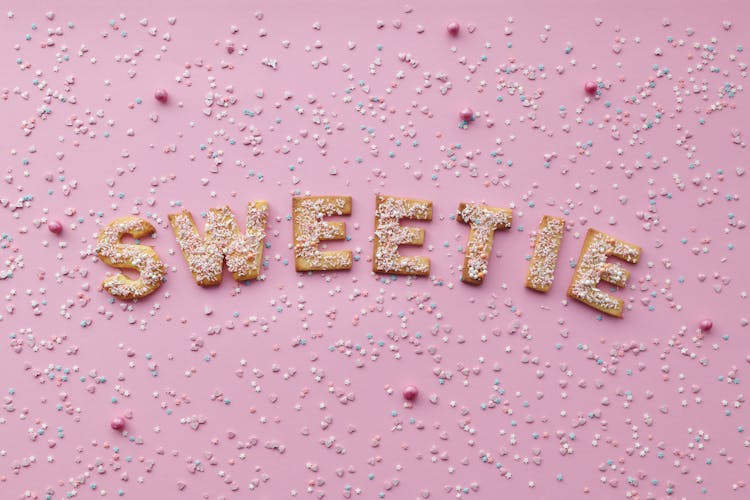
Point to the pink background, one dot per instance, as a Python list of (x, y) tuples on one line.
[(620, 393)]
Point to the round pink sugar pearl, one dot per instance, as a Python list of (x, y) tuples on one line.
[(590, 87), (161, 95), (54, 226), (453, 28), (117, 423), (705, 325), (466, 114), (410, 393)]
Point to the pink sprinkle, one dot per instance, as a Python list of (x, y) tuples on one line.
[(161, 95), (117, 423), (453, 28), (55, 226), (705, 325), (590, 87), (466, 114), (410, 393)]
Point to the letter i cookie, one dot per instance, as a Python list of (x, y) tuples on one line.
[(543, 262)]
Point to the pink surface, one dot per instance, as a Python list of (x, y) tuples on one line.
[(294, 382)]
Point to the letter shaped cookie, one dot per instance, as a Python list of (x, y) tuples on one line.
[(541, 271), (484, 221), (389, 234), (310, 229), (223, 241), (593, 267), (139, 257)]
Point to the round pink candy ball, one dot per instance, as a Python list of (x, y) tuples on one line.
[(117, 423), (466, 114), (453, 27), (590, 87), (705, 325), (410, 393), (161, 95), (55, 226)]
